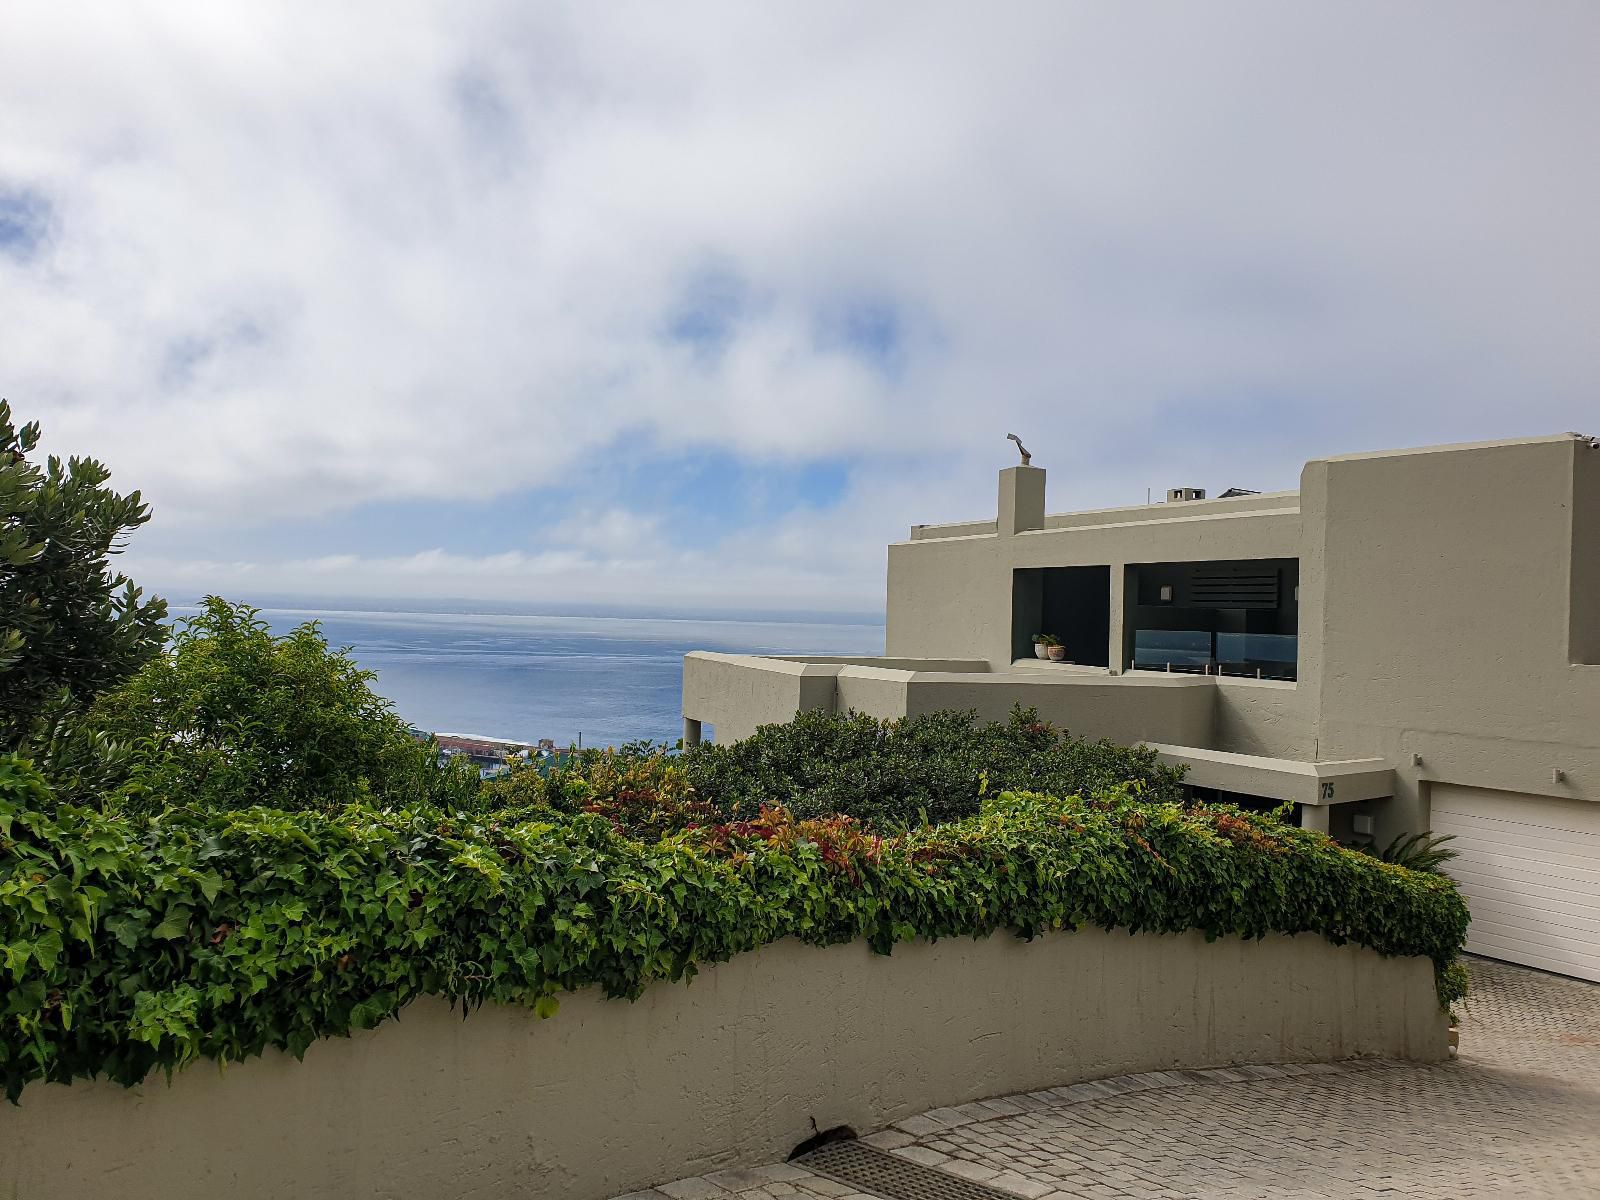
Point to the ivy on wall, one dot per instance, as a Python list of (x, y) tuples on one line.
[(131, 944)]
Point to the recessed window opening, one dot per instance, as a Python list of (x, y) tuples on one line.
[(1236, 617), (1069, 605)]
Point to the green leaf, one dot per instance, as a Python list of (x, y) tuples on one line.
[(125, 928), (175, 925), (47, 948)]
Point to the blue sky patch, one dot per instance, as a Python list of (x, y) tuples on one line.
[(871, 329), (710, 309), (25, 219), (700, 498)]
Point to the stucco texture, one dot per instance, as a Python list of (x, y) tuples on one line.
[(732, 1070)]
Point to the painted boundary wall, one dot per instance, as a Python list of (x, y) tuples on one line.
[(608, 1097), (738, 693)]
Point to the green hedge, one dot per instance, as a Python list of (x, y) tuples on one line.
[(132, 944), (890, 775)]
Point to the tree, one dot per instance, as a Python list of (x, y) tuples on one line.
[(70, 627), (230, 716)]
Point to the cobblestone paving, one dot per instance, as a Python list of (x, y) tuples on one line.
[(1517, 1113)]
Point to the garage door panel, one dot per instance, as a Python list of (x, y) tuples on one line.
[(1509, 924), (1529, 867), (1572, 848), (1514, 913), (1557, 876), (1512, 947), (1580, 966), (1512, 810), (1497, 890)]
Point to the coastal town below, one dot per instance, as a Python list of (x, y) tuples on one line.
[(493, 756)]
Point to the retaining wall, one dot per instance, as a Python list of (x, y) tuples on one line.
[(607, 1096)]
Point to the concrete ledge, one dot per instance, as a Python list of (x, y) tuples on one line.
[(1310, 783), (729, 1071), (958, 529)]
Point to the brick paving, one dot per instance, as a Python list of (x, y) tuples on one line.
[(1516, 1113)]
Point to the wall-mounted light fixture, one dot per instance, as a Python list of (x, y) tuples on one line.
[(1166, 593)]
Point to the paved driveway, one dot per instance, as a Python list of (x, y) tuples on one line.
[(1517, 1113)]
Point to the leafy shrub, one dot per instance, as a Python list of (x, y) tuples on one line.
[(232, 716), (68, 623), (134, 945), (82, 764), (888, 775), (895, 774), (1418, 851), (640, 787)]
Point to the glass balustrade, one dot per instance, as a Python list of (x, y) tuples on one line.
[(1174, 649), (1250, 655)]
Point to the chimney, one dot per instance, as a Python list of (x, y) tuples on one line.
[(1174, 495), (1021, 499)]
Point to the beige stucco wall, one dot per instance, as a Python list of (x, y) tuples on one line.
[(1262, 716), (738, 693), (1147, 708), (878, 692), (609, 1096), (952, 596), (1441, 611), (949, 594)]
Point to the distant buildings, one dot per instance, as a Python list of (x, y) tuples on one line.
[(491, 756)]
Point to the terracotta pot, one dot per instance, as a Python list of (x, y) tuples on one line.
[(1058, 654)]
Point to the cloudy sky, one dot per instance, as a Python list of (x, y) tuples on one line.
[(696, 306)]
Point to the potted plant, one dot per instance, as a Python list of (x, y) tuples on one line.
[(1041, 645), (1054, 650)]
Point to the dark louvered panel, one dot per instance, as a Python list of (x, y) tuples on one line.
[(1229, 587)]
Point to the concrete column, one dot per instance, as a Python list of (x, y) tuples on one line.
[(1115, 634), (1021, 499), (1314, 816), (691, 732)]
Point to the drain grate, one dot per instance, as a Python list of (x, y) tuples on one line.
[(883, 1174)]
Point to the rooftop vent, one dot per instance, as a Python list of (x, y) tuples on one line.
[(1176, 494)]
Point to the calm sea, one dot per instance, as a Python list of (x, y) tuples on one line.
[(522, 678)]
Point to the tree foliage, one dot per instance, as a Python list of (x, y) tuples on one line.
[(68, 622), (231, 716)]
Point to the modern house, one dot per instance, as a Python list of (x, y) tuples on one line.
[(1410, 641)]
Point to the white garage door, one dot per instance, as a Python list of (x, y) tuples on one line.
[(1530, 869)]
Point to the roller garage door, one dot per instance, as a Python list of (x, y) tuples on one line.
[(1530, 869)]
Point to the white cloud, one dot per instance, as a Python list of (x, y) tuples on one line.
[(553, 579), (305, 257)]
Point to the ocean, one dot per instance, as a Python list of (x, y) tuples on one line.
[(522, 678)]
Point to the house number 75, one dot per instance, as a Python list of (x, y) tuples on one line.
[(1327, 791)]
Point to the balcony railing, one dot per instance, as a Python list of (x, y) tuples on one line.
[(1200, 652)]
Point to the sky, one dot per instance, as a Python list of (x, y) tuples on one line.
[(695, 307)]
